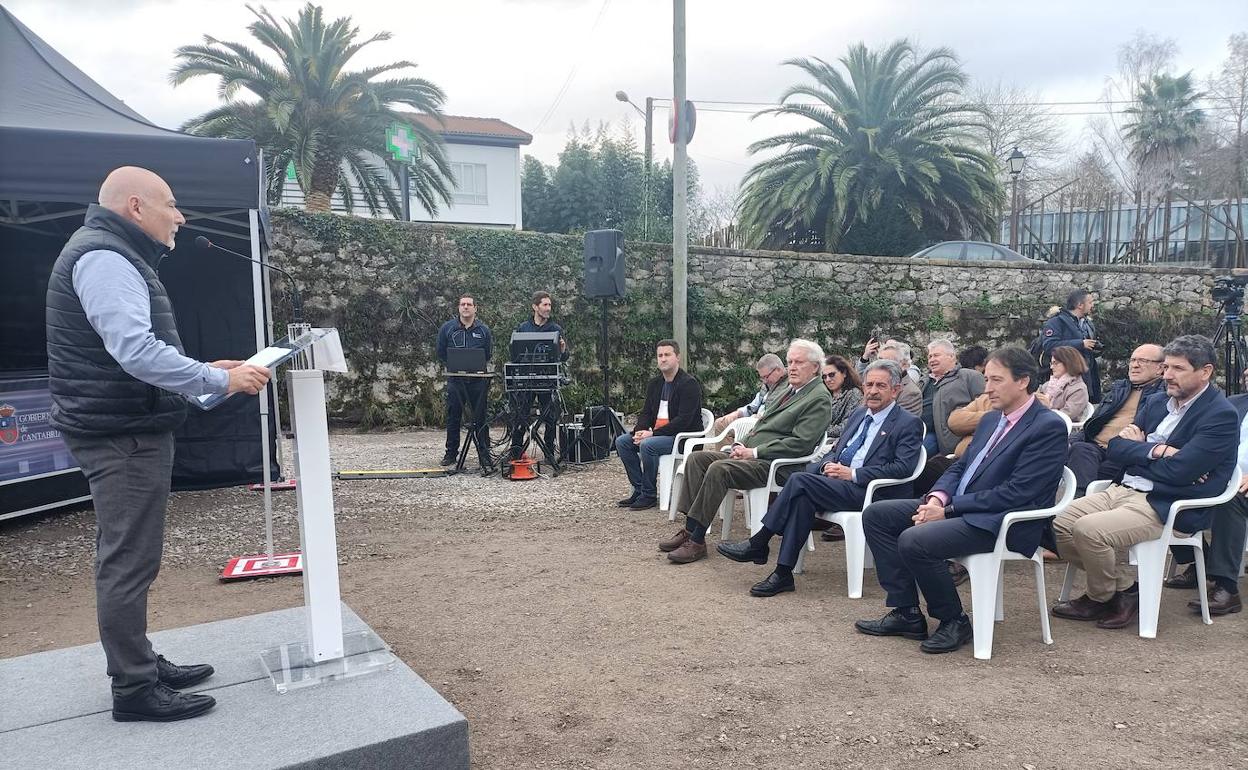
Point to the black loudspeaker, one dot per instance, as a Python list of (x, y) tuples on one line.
[(604, 264)]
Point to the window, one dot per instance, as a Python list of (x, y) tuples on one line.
[(980, 251), (470, 188), (951, 250)]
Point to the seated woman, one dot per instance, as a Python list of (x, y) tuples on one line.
[(1066, 390), (843, 383)]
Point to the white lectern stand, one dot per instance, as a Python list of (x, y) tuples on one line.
[(326, 653)]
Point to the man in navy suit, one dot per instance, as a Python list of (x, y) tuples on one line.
[(880, 441), (1182, 445), (1014, 462)]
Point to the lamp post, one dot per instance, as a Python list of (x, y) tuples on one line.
[(648, 114), (1015, 162)]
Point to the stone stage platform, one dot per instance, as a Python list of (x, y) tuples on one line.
[(55, 710)]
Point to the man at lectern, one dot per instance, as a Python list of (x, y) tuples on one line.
[(543, 307), (120, 380)]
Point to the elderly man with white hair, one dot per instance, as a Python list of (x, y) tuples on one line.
[(910, 398), (947, 387), (792, 426)]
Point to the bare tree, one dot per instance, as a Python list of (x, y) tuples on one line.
[(1014, 118), (1228, 91), (1139, 59)]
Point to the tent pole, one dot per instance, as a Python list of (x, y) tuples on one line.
[(257, 289)]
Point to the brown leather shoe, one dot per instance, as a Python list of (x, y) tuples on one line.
[(1185, 579), (1221, 602), (1081, 608), (958, 573), (833, 533), (1124, 608), (675, 541), (688, 551)]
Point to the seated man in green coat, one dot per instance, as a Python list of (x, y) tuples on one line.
[(793, 425)]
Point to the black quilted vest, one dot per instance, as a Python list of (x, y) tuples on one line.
[(91, 394)]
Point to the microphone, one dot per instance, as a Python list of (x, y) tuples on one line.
[(296, 299)]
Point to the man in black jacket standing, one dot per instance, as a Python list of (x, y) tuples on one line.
[(466, 331), (673, 405), (1073, 327), (120, 381), (522, 403), (1087, 451)]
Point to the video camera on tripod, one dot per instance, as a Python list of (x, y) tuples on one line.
[(1228, 292)]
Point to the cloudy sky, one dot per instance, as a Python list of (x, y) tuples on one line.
[(545, 65)]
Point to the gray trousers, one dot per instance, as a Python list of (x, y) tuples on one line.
[(1224, 548), (708, 477), (129, 477)]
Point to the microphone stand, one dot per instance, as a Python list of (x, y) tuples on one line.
[(295, 329)]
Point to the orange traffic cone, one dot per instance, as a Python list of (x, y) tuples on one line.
[(524, 469)]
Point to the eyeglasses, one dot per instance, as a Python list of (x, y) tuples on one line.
[(1142, 361)]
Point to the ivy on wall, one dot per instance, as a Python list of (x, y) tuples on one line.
[(388, 286)]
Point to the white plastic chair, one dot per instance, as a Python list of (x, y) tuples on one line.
[(1070, 426), (755, 500), (1149, 557), (738, 428), (857, 554), (1087, 413), (987, 572), (668, 462)]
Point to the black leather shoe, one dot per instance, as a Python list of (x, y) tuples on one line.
[(488, 469), (642, 503), (159, 703), (628, 500), (181, 677), (950, 635), (895, 623), (449, 459), (1185, 579), (771, 585), (744, 551)]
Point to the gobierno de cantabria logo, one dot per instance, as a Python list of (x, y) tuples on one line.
[(9, 432)]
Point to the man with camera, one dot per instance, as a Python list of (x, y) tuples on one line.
[(1072, 326)]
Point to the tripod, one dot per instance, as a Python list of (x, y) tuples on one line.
[(523, 425), (1230, 334)]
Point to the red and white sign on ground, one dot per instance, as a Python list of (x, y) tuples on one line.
[(242, 567)]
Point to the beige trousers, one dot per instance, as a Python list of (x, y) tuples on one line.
[(1094, 533)]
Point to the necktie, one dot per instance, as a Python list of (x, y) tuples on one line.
[(979, 458), (785, 398), (851, 449)]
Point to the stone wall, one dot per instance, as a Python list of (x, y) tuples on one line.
[(388, 285)]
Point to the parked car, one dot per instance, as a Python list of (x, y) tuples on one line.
[(972, 250)]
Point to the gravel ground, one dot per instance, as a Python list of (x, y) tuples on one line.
[(546, 615)]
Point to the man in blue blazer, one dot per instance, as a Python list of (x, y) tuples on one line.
[(1182, 445), (880, 441), (1014, 462)]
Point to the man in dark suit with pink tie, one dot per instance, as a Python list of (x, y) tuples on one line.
[(1014, 462)]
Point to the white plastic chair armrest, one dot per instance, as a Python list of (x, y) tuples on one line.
[(1099, 486), (1068, 494), (879, 484), (1202, 502)]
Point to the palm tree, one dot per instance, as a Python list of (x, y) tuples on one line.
[(1164, 124), (891, 161), (329, 122)]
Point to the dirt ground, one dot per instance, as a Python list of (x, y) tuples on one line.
[(548, 617)]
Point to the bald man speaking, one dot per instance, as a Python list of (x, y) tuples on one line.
[(119, 380)]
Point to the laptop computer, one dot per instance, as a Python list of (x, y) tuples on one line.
[(466, 360)]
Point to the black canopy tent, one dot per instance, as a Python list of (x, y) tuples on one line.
[(60, 135)]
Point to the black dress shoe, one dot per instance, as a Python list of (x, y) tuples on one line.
[(1185, 579), (181, 677), (958, 573), (159, 703), (488, 469), (771, 585), (628, 500), (642, 503), (895, 623), (449, 459), (744, 551), (950, 635)]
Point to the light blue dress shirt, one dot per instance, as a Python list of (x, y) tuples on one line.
[(115, 299)]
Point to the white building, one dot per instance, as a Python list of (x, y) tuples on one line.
[(484, 154)]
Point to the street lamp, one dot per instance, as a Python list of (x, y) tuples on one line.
[(1015, 163), (648, 114)]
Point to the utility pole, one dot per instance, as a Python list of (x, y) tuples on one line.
[(680, 186), (647, 196)]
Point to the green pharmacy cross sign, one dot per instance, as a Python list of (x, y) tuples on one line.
[(401, 142)]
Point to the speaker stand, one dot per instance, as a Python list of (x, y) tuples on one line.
[(606, 359)]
